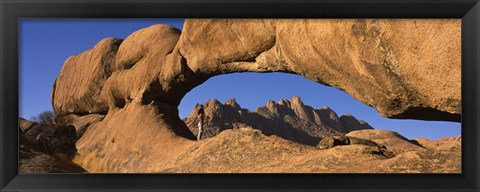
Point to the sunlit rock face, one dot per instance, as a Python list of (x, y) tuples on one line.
[(403, 68)]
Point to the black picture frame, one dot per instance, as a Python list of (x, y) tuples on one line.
[(11, 11)]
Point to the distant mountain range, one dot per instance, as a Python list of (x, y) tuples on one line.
[(288, 118)]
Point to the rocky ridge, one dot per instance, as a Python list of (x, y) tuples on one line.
[(247, 150), (288, 118)]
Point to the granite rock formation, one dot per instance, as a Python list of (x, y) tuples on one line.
[(392, 140), (81, 122), (77, 88), (25, 125), (51, 138), (247, 150), (46, 148), (31, 160), (402, 68), (444, 144), (288, 118)]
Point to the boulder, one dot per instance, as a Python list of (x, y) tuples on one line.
[(82, 123), (418, 78), (333, 141), (33, 161), (443, 144), (77, 88), (402, 68), (25, 125), (132, 139), (392, 140), (139, 64), (51, 139)]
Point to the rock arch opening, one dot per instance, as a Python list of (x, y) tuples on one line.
[(235, 100), (142, 79)]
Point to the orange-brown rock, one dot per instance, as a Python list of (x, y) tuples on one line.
[(392, 140), (31, 160), (402, 68), (133, 139), (82, 123), (139, 64), (81, 79), (46, 148), (25, 125), (247, 150), (444, 144), (350, 123)]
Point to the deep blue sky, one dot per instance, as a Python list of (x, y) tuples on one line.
[(46, 43)]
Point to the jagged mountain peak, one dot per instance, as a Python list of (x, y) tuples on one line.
[(233, 103), (325, 108), (212, 102), (287, 118)]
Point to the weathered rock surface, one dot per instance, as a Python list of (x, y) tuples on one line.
[(333, 141), (51, 139), (139, 66), (25, 125), (33, 161), (417, 78), (350, 123), (288, 118), (81, 123), (444, 144), (392, 140), (81, 79), (247, 150), (46, 148), (133, 139), (402, 68)]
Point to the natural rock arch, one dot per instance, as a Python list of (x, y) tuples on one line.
[(403, 68)]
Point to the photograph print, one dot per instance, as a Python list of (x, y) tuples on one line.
[(240, 96)]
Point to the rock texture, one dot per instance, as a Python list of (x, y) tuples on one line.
[(51, 139), (134, 139), (81, 79), (402, 68), (444, 144), (45, 148), (35, 161), (333, 141), (288, 118), (392, 140), (247, 150), (81, 123), (25, 125)]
